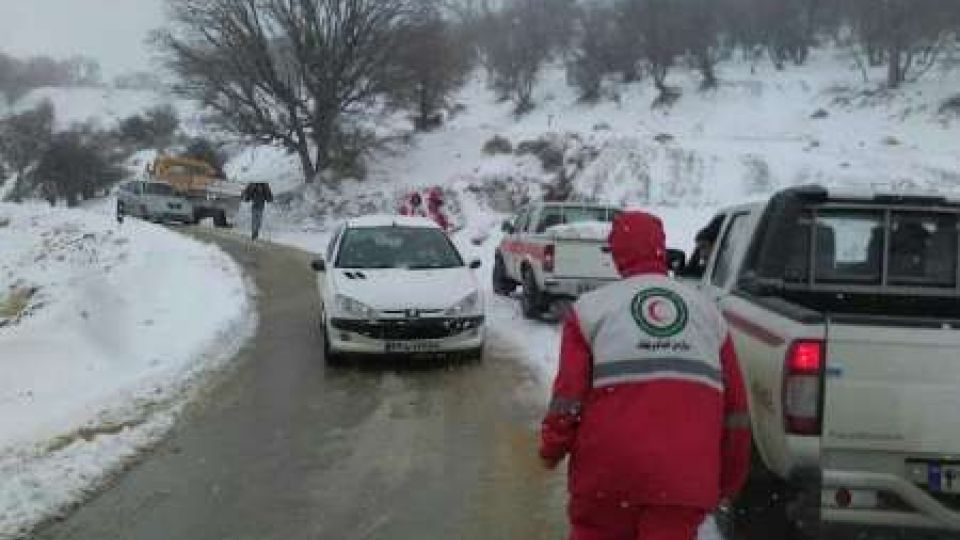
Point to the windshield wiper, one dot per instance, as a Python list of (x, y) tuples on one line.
[(430, 267)]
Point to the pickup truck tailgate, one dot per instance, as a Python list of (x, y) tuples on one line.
[(892, 388), (584, 259)]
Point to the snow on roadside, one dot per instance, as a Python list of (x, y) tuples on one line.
[(105, 330)]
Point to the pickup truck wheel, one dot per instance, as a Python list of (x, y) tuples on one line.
[(770, 507), (532, 300), (220, 219), (502, 284)]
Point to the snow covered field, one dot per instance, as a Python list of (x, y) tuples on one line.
[(104, 330)]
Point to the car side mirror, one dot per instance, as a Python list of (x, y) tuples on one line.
[(476, 264), (508, 227), (676, 260), (318, 265)]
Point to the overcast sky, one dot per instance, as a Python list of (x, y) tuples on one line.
[(112, 31)]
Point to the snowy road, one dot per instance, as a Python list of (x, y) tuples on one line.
[(287, 448)]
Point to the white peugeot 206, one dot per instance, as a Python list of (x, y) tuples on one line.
[(393, 285)]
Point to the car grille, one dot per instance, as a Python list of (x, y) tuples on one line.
[(409, 329), (174, 206)]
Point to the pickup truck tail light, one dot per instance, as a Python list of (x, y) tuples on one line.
[(803, 387), (549, 257)]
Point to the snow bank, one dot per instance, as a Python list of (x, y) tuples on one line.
[(104, 329), (584, 230)]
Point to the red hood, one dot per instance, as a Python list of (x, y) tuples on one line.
[(638, 244)]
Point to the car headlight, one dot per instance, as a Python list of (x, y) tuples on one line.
[(354, 308), (469, 305)]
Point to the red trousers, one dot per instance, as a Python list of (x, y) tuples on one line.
[(593, 521)]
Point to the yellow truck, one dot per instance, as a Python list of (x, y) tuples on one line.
[(210, 195)]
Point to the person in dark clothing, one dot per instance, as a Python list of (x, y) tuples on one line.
[(258, 194), (706, 240)]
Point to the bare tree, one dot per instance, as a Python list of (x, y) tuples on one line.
[(24, 138), (75, 166), (518, 40), (431, 64), (909, 35), (700, 29), (596, 52), (284, 71)]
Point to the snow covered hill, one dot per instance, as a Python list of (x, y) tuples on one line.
[(106, 107), (104, 330)]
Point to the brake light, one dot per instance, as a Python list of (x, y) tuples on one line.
[(802, 387), (549, 257)]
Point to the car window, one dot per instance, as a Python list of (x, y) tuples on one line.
[(412, 248), (155, 188), (736, 236)]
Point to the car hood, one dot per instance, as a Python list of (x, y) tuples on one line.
[(397, 289)]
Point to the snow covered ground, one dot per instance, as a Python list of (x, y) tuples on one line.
[(104, 331)]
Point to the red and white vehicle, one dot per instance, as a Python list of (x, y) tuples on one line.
[(845, 311), (555, 251)]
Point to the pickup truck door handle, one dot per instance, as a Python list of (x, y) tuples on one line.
[(606, 249)]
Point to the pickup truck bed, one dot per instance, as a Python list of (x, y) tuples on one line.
[(845, 311)]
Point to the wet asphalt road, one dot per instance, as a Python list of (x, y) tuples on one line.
[(287, 448)]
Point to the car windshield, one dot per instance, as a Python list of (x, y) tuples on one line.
[(412, 248), (154, 188)]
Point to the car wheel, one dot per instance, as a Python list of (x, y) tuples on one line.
[(502, 284), (532, 300), (770, 507), (474, 355)]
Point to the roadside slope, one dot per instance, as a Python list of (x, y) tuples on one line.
[(104, 330)]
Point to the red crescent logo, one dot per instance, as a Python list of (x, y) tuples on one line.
[(653, 311)]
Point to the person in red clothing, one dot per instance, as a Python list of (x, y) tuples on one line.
[(435, 209), (649, 401), (413, 206)]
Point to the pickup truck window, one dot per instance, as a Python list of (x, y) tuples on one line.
[(736, 235), (848, 246), (919, 248), (923, 249)]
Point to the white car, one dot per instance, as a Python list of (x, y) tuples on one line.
[(153, 201), (393, 285)]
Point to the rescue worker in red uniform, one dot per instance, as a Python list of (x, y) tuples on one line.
[(649, 401), (435, 209), (413, 206)]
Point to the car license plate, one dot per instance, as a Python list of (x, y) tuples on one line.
[(412, 346), (940, 477)]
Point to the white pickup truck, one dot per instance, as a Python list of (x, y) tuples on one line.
[(554, 251), (845, 311)]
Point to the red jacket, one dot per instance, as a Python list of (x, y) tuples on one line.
[(649, 400), (440, 219)]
